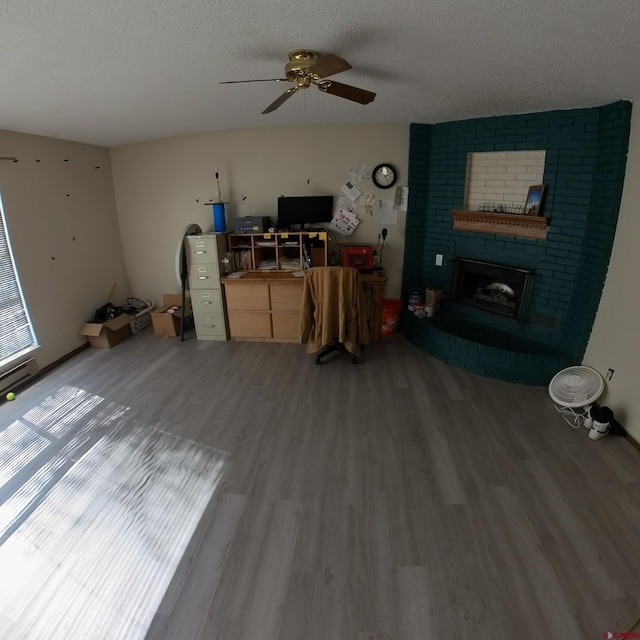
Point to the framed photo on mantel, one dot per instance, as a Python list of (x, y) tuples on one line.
[(533, 204)]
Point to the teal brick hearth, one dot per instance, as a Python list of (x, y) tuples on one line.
[(585, 159)]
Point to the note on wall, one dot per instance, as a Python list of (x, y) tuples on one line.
[(388, 215), (368, 202), (344, 223), (358, 174), (352, 192), (402, 198)]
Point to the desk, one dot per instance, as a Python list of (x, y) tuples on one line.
[(377, 280), (265, 307)]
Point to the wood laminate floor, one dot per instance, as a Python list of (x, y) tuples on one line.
[(397, 499)]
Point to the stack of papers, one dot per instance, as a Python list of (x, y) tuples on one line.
[(289, 264), (267, 265)]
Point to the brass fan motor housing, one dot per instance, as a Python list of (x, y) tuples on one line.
[(303, 57), (297, 69)]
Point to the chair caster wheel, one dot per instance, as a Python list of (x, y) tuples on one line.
[(318, 361), (354, 360)]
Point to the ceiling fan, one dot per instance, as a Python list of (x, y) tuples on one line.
[(307, 67)]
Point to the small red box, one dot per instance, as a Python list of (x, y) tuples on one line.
[(358, 256)]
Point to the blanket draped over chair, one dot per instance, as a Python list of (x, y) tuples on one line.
[(333, 309)]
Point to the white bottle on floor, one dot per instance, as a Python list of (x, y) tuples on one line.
[(598, 430)]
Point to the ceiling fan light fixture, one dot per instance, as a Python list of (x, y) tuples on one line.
[(303, 82)]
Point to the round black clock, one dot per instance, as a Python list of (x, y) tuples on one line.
[(384, 176)]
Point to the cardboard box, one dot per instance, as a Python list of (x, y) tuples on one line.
[(105, 335), (167, 319), (433, 298)]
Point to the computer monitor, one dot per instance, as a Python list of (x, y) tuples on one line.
[(299, 211)]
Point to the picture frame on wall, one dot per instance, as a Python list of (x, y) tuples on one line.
[(533, 203)]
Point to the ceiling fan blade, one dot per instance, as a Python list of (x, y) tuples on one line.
[(328, 65), (283, 98), (347, 91), (265, 80)]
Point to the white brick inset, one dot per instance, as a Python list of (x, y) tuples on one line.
[(502, 177)]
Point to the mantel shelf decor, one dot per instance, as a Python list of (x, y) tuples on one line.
[(505, 224)]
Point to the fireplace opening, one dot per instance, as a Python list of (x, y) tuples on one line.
[(496, 288)]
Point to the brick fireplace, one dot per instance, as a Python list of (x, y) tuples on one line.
[(584, 153)]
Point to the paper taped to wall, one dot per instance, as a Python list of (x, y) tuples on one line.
[(344, 223), (388, 215), (352, 192)]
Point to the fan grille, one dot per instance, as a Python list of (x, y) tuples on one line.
[(576, 386)]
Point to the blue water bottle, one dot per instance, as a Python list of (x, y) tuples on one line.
[(219, 221)]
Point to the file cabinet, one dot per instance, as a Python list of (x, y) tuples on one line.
[(204, 252)]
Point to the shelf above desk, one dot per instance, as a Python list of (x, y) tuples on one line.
[(277, 250)]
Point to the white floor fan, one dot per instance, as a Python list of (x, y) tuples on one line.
[(574, 390), (182, 268)]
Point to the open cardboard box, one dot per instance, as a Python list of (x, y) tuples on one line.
[(105, 335), (433, 298), (167, 319)]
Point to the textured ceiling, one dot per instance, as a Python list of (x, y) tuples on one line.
[(115, 72)]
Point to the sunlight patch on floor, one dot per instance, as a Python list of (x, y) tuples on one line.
[(97, 511)]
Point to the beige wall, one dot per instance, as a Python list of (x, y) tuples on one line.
[(615, 340), (158, 186), (60, 211)]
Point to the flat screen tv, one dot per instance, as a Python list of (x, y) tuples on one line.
[(298, 211)]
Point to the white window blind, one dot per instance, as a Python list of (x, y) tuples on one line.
[(16, 332)]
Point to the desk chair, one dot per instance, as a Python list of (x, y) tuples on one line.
[(333, 315)]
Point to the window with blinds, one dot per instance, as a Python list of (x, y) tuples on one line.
[(16, 332)]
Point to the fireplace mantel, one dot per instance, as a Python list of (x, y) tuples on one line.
[(505, 224)]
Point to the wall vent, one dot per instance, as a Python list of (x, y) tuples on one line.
[(18, 374), (544, 320)]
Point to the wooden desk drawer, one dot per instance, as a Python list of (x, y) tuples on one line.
[(250, 324), (286, 297), (247, 297), (286, 324)]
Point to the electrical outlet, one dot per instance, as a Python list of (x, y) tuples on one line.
[(610, 373), (438, 259)]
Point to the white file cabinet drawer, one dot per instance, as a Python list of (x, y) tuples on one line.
[(210, 325), (206, 301), (204, 276), (202, 249)]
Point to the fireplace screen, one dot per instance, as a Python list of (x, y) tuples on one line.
[(496, 288)]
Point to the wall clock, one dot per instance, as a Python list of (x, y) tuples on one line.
[(384, 176)]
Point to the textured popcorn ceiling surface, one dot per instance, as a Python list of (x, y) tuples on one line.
[(115, 71)]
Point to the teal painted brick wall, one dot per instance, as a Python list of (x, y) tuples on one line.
[(602, 218), (586, 153)]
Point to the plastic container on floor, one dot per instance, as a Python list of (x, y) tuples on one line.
[(391, 309)]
